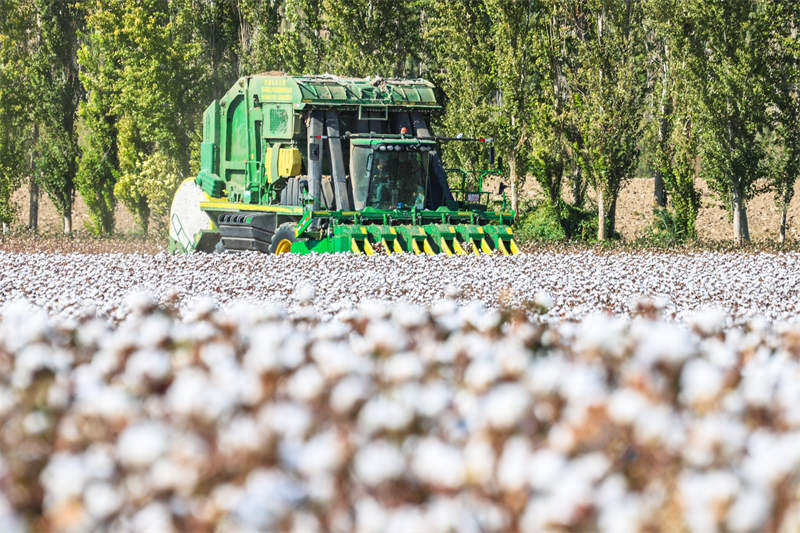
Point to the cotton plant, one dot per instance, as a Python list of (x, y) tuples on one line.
[(448, 418)]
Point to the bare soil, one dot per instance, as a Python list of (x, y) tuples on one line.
[(634, 215)]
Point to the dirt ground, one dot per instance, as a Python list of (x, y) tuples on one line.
[(633, 214)]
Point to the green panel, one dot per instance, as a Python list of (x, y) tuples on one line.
[(211, 123), (236, 141), (208, 157), (280, 122)]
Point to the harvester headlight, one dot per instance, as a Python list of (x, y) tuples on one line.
[(382, 147)]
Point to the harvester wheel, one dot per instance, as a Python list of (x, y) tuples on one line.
[(283, 238)]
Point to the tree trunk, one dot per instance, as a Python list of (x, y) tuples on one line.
[(33, 205), (601, 217), (68, 221), (512, 174), (659, 196), (784, 209), (5, 228), (577, 187), (741, 233), (612, 218)]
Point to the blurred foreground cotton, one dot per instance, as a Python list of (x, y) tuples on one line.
[(394, 418)]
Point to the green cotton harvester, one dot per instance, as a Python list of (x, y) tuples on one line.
[(331, 164)]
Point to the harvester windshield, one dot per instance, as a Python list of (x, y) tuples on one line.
[(390, 175)]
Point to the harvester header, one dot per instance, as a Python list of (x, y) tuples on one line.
[(331, 164)]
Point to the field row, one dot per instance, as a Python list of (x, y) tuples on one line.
[(580, 283)]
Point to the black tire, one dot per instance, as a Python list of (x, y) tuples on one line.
[(284, 233)]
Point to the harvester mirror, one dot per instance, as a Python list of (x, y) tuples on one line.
[(499, 163), (501, 189), (369, 163), (491, 155)]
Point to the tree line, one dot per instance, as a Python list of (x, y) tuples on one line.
[(104, 98)]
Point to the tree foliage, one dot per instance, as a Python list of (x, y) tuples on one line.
[(571, 91)]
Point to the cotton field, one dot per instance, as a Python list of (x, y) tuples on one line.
[(279, 394), (580, 283)]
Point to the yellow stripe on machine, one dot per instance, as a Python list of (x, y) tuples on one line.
[(228, 206), (354, 247), (368, 249), (415, 247), (485, 247), (457, 248), (397, 248), (443, 246), (427, 247)]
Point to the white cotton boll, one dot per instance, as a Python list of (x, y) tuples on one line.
[(626, 405), (770, 457), (99, 460), (432, 398), (583, 385), (192, 393), (29, 360), (240, 435), (267, 497), (150, 364), (439, 464), (108, 402), (101, 500), (347, 393), (545, 374), (200, 308), (714, 437), (704, 492), (292, 420), (306, 384), (481, 373), (511, 472), (154, 331), (140, 301), (405, 519), (90, 333), (479, 461), (402, 367), (660, 425), (759, 380), (544, 468), (382, 413), (7, 400), (324, 453), (385, 336), (701, 382), (622, 516), (35, 423), (371, 516), (708, 321), (666, 343), (561, 438), (336, 358), (262, 355), (750, 511), (226, 496), (543, 301), (140, 444), (153, 517), (10, 522), (305, 292), (304, 522), (22, 324), (506, 405), (601, 333), (379, 461), (482, 319), (409, 315), (64, 477), (537, 516)]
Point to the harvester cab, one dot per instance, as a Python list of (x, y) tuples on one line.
[(330, 164)]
